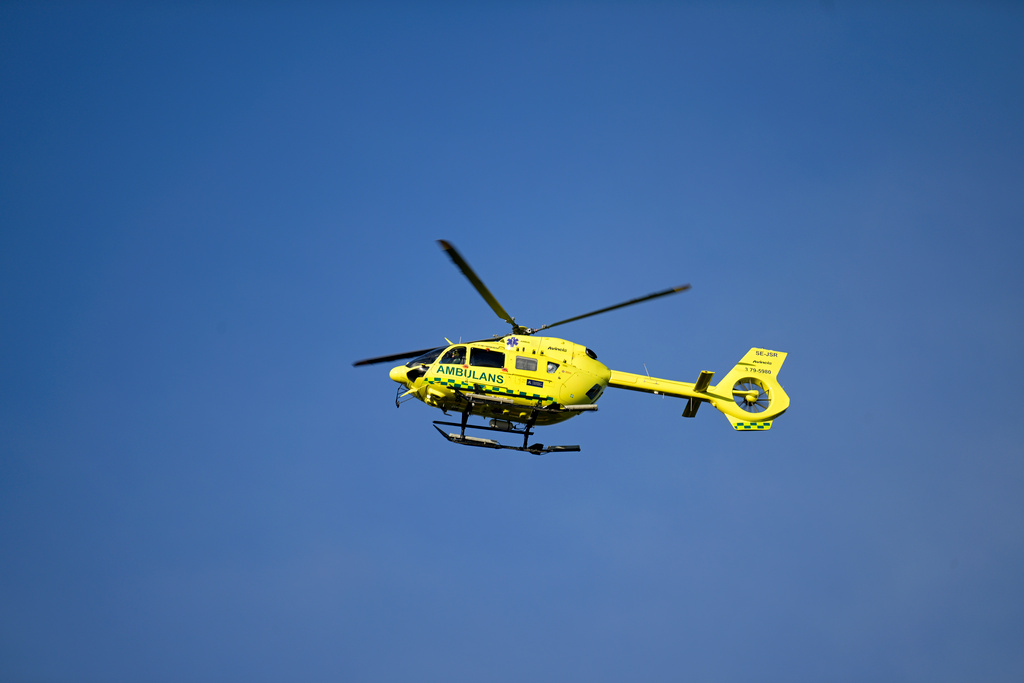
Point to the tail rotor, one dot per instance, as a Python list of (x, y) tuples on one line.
[(751, 395)]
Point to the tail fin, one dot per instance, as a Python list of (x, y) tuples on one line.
[(752, 393)]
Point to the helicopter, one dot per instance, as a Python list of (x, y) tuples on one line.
[(520, 381)]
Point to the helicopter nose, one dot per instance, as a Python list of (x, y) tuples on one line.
[(398, 374)]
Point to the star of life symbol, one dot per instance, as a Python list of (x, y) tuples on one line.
[(511, 343)]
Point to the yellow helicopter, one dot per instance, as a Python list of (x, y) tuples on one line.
[(521, 381)]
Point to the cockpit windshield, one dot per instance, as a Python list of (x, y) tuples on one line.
[(427, 358)]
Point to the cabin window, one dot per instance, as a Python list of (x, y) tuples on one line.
[(552, 366), (594, 392), (524, 363), (455, 356), (485, 358)]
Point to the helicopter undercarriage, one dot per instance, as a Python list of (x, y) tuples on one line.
[(478, 400)]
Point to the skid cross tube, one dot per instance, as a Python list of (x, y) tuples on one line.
[(529, 428)]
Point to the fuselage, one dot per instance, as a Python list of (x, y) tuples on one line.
[(519, 371)]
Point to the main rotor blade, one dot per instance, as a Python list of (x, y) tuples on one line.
[(681, 288), (461, 264), (388, 359)]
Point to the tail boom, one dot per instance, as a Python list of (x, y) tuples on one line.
[(749, 395)]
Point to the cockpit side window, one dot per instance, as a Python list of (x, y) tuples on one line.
[(455, 356), (485, 358)]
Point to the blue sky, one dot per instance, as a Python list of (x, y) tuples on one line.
[(209, 211)]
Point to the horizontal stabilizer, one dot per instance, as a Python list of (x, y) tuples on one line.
[(692, 405), (703, 380)]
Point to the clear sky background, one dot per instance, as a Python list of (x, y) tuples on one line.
[(209, 211)]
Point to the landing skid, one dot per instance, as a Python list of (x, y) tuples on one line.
[(535, 449), (526, 431)]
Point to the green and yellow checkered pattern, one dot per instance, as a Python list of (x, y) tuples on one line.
[(753, 426)]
